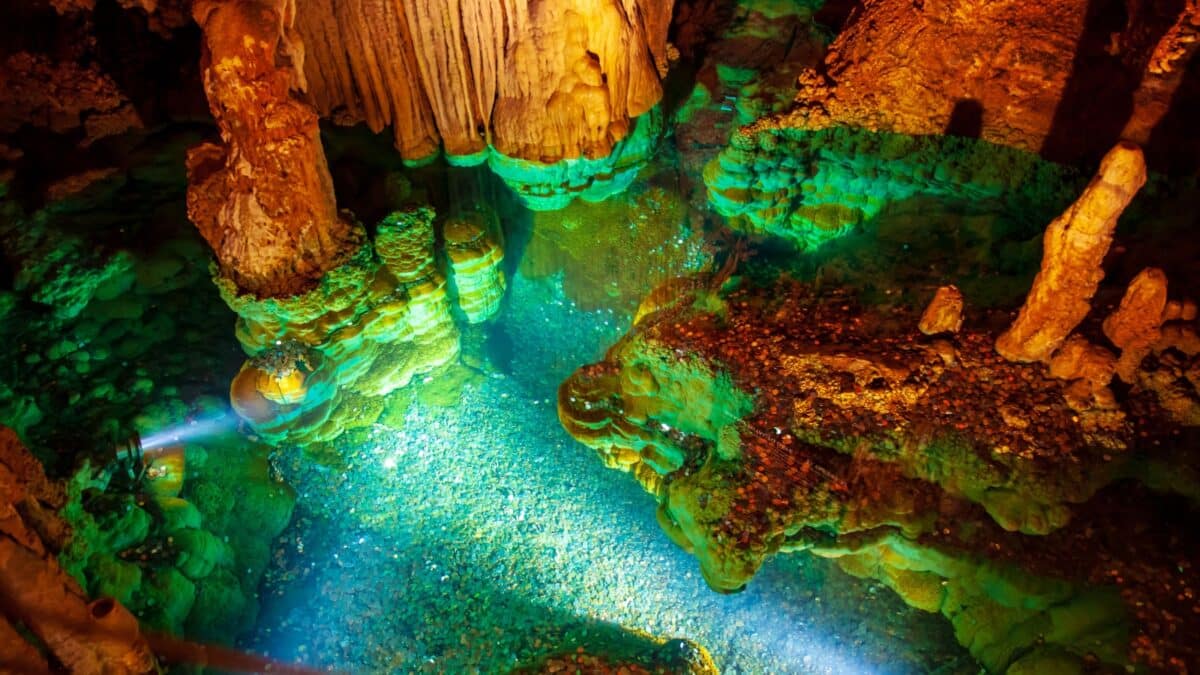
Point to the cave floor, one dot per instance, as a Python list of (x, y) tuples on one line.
[(480, 536)]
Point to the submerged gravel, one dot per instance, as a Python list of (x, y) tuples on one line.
[(477, 537)]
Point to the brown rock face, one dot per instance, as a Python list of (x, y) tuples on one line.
[(264, 199), (1072, 250), (100, 637), (541, 81), (1063, 78)]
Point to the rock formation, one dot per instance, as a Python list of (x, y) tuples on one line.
[(539, 81), (263, 199), (944, 312), (320, 361), (1134, 327), (476, 264), (810, 187), (100, 636), (1073, 248), (769, 419), (1057, 78)]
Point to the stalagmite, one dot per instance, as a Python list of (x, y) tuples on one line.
[(1073, 248), (1134, 326), (264, 198), (476, 265), (944, 313)]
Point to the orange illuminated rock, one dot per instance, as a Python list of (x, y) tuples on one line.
[(541, 81), (165, 469), (1072, 249), (263, 199), (1063, 78), (476, 261), (944, 313), (1134, 326)]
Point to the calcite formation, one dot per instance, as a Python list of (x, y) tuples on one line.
[(1073, 248), (1134, 327), (476, 264), (52, 609), (769, 419), (538, 81), (944, 312), (810, 187), (321, 361), (1057, 78), (263, 198)]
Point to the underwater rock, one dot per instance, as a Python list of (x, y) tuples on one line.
[(809, 187), (612, 253), (944, 312), (476, 260), (1072, 250), (533, 82), (264, 198), (767, 420), (368, 328)]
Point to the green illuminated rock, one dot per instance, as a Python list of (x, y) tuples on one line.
[(813, 186), (547, 187)]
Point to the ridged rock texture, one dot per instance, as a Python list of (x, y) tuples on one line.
[(263, 198), (540, 81), (810, 187), (1073, 248), (476, 264), (322, 362), (768, 419), (1065, 78)]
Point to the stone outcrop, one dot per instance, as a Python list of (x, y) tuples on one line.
[(476, 265), (769, 420), (812, 186), (1059, 78), (1073, 248), (539, 81), (1134, 327), (321, 362), (263, 199), (83, 636), (944, 312)]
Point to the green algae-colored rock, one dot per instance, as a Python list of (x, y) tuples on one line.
[(219, 611), (114, 578), (813, 186), (123, 525), (168, 597), (199, 552), (177, 514)]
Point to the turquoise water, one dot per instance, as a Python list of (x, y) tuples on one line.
[(479, 536)]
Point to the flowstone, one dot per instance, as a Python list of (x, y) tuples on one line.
[(769, 420), (324, 361)]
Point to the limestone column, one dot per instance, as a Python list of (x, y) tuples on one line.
[(262, 198)]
